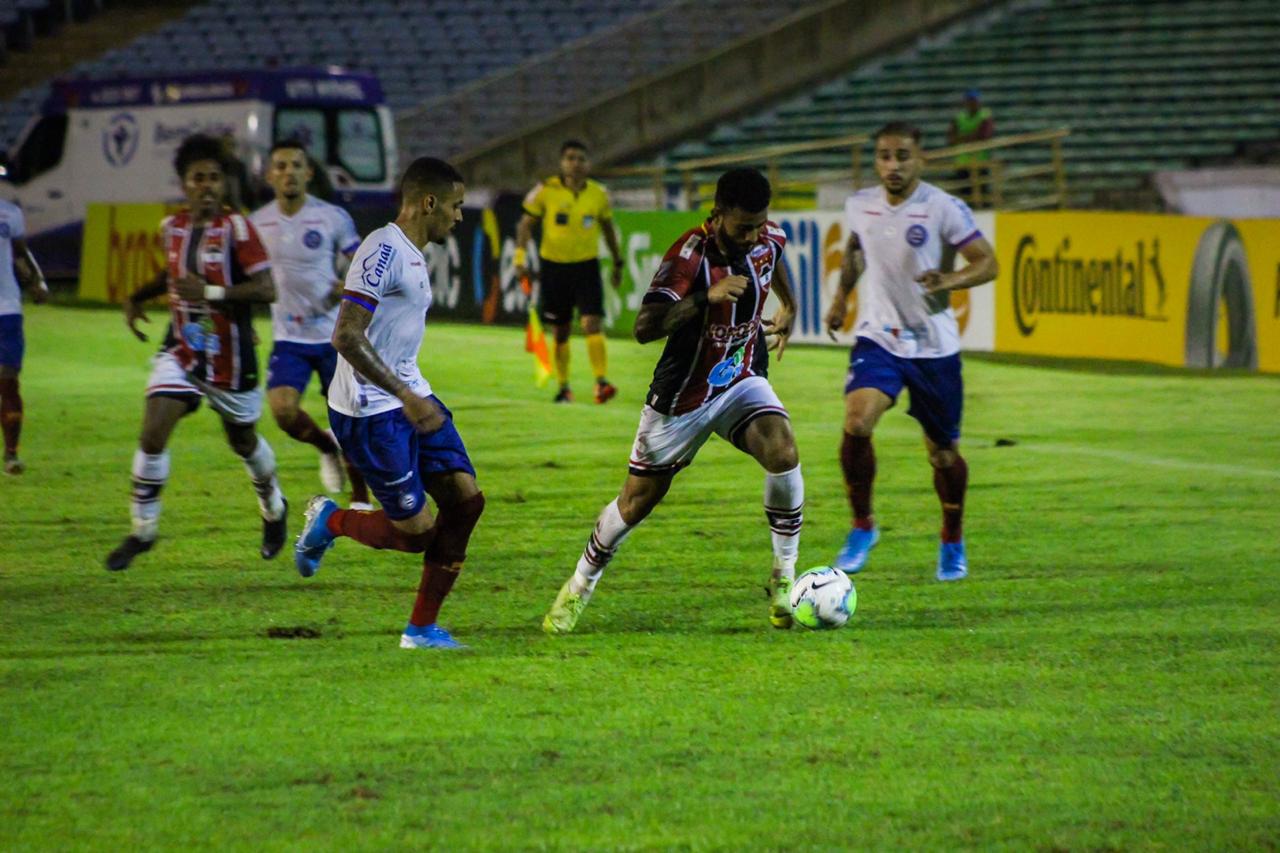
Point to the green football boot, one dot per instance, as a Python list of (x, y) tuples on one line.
[(564, 612), (779, 591)]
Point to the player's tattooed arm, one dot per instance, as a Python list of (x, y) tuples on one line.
[(657, 320), (850, 271), (351, 340), (29, 274), (982, 268)]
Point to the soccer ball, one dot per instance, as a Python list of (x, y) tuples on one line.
[(822, 598)]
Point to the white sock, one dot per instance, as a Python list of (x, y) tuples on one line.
[(150, 471), (610, 532), (784, 507), (261, 465)]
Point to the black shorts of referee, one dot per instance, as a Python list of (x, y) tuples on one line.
[(565, 286)]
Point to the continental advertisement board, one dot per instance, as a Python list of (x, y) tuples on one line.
[(1175, 290)]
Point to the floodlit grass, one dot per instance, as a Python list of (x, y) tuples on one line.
[(1106, 678)]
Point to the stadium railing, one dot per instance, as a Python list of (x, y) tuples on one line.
[(689, 184)]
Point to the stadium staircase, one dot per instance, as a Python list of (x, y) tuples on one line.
[(1143, 85)]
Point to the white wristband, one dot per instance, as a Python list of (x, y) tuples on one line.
[(214, 292)]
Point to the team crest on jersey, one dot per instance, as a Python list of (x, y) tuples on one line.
[(917, 235), (312, 239)]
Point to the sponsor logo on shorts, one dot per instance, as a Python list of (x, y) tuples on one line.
[(312, 239), (917, 235)]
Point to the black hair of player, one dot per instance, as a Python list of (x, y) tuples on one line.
[(290, 144), (428, 175), (898, 128), (743, 189), (573, 145), (198, 146)]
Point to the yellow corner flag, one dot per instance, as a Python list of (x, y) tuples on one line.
[(535, 340)]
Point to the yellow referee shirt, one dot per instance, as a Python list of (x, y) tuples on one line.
[(570, 221)]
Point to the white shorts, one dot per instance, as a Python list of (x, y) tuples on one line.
[(666, 443), (169, 379)]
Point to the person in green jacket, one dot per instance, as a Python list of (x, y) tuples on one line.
[(974, 123)]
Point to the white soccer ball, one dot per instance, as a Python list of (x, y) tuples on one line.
[(822, 598)]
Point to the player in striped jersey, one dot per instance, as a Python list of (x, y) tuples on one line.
[(216, 270), (706, 300)]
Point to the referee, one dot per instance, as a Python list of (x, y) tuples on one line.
[(574, 211)]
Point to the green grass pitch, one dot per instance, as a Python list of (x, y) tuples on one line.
[(1108, 677)]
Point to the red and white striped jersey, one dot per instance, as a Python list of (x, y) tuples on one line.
[(707, 357), (213, 341)]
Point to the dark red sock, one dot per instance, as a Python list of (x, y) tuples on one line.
[(305, 430), (950, 484), (858, 461), (376, 530), (359, 491), (10, 413), (437, 580), (444, 557)]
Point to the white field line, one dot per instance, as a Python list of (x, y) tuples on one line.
[(1155, 461)]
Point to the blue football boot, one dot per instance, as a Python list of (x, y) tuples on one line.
[(428, 637), (315, 537), (853, 556), (952, 565)]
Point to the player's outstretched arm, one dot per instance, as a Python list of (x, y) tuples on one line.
[(850, 271), (657, 320), (133, 311), (982, 268), (351, 340), (260, 287)]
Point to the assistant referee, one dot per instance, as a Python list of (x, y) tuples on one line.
[(574, 211)]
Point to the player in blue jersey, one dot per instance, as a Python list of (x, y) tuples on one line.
[(907, 335), (17, 266), (390, 425)]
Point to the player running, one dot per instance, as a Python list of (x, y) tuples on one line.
[(391, 427), (706, 300), (907, 334), (217, 269), (310, 243), (18, 269)]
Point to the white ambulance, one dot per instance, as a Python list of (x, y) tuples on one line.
[(114, 141)]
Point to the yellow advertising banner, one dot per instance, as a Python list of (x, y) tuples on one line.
[(1176, 290), (122, 249), (1261, 239)]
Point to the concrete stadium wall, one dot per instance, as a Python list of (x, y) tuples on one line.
[(797, 51)]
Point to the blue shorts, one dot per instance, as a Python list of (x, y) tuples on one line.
[(937, 389), (12, 344), (291, 365), (395, 458)]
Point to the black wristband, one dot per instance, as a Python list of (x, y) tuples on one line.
[(700, 298)]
